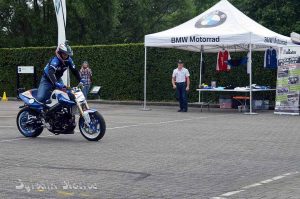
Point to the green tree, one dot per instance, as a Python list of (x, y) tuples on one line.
[(33, 22), (281, 16), (27, 23), (92, 21), (140, 17)]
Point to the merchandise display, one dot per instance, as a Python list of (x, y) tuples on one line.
[(270, 60), (222, 61)]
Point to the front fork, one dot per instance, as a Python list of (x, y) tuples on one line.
[(84, 114)]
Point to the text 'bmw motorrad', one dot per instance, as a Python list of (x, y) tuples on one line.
[(58, 114)]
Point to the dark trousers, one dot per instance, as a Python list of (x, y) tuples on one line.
[(45, 89), (182, 95)]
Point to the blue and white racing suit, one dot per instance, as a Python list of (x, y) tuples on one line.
[(53, 72)]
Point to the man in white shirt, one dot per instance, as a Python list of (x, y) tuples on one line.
[(181, 82)]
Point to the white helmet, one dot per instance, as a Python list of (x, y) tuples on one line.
[(63, 48)]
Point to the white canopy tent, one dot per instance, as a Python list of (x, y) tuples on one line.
[(221, 26)]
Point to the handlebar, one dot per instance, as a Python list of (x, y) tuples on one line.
[(68, 89)]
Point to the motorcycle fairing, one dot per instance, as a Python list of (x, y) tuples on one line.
[(64, 101), (29, 98), (61, 97)]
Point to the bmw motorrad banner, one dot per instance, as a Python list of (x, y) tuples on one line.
[(288, 81), (194, 39)]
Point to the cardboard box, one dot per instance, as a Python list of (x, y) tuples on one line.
[(261, 104), (225, 103)]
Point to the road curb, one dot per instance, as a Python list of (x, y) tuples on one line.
[(148, 103), (135, 103)]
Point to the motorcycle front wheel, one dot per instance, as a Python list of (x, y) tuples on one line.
[(97, 127), (28, 123)]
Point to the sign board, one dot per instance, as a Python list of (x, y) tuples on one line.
[(95, 89), (26, 69), (288, 81)]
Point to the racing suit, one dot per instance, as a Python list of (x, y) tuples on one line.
[(51, 78)]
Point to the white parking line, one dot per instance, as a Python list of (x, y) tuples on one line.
[(232, 193), (153, 123), (149, 123), (122, 127), (218, 198), (23, 138), (121, 122), (163, 122), (254, 185), (7, 126)]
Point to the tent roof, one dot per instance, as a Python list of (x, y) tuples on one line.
[(223, 25)]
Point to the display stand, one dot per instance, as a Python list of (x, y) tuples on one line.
[(96, 91)]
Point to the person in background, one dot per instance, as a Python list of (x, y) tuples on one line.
[(86, 75), (181, 82)]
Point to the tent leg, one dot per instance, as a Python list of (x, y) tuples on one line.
[(250, 82), (200, 75), (250, 49), (145, 83)]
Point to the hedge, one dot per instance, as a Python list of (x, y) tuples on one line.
[(119, 69)]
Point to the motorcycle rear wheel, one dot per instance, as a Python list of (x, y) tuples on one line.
[(23, 119)]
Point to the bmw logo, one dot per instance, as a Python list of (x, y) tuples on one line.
[(212, 19)]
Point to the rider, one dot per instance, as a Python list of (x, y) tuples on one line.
[(54, 70)]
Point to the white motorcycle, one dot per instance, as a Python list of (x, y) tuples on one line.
[(58, 115)]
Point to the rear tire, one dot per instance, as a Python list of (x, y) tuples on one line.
[(99, 121), (32, 130)]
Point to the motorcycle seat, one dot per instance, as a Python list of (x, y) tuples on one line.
[(32, 94)]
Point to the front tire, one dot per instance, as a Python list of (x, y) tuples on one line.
[(97, 122), (28, 123)]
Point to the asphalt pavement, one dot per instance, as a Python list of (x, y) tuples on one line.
[(160, 153)]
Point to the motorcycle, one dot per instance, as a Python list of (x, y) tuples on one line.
[(58, 114)]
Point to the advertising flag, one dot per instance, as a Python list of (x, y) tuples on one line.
[(61, 16)]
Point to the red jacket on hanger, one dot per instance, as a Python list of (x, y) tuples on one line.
[(223, 57)]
